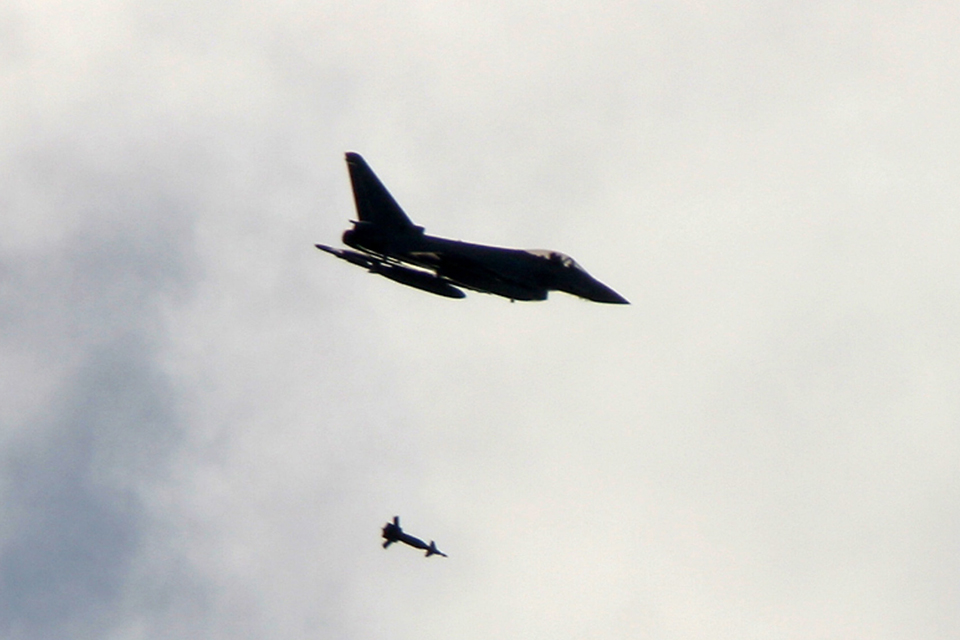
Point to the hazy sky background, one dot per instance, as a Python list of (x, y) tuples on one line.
[(205, 421)]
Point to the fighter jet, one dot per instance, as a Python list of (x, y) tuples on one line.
[(393, 533), (389, 244)]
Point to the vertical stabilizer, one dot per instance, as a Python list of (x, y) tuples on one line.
[(374, 203)]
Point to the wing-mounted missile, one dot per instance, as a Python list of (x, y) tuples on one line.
[(353, 257), (419, 279), (416, 278)]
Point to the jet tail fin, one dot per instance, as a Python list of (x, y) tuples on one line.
[(374, 203)]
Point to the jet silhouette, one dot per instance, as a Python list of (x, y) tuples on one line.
[(390, 245), (393, 533)]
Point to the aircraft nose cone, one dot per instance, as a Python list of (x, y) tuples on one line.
[(593, 289), (608, 295), (616, 298), (586, 286)]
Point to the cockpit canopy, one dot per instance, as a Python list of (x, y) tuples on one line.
[(555, 256)]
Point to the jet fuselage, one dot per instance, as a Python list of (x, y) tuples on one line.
[(517, 274)]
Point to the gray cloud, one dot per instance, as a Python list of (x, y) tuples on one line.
[(93, 416)]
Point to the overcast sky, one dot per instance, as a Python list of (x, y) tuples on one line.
[(205, 421)]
